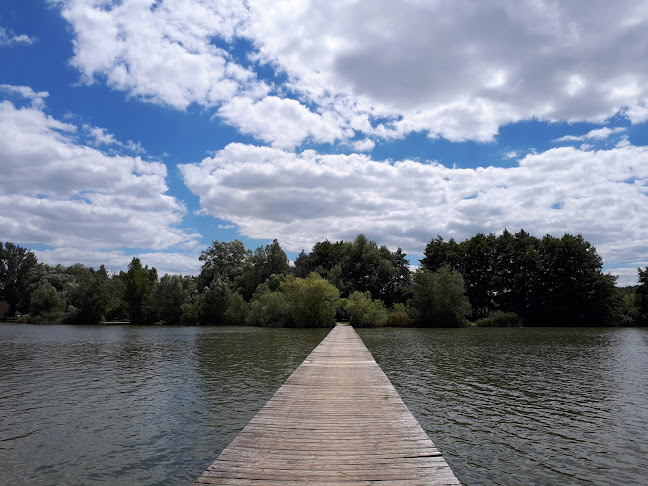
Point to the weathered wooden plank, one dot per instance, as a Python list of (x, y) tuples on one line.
[(336, 420)]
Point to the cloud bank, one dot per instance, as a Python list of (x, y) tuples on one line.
[(303, 198), (57, 191)]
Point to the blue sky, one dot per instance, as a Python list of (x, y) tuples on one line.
[(152, 128)]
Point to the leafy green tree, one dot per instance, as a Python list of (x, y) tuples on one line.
[(552, 281), (269, 308), (224, 261), (46, 300), (571, 286), (217, 304), (361, 266), (117, 308), (168, 298), (237, 310), (303, 265), (477, 269), (364, 311), (439, 298), (517, 273), (214, 301), (313, 300), (139, 283), (15, 265), (89, 293), (439, 253), (263, 264)]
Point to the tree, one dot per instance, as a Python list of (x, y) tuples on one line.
[(439, 253), (360, 266), (476, 267), (15, 265), (439, 298), (214, 301), (641, 299), (237, 310), (168, 299), (89, 293), (572, 290), (139, 282), (270, 309), (224, 261), (46, 300), (303, 265), (263, 264), (313, 301)]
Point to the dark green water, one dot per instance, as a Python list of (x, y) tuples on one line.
[(124, 405), (526, 406)]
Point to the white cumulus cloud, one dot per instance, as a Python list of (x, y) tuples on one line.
[(280, 122), (57, 191), (303, 198)]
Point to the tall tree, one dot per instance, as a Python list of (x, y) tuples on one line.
[(15, 265), (224, 261), (168, 298), (139, 282), (571, 286), (89, 293), (264, 263), (439, 299)]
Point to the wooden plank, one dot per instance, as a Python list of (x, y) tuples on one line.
[(336, 420)]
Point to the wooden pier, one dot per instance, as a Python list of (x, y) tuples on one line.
[(336, 420)]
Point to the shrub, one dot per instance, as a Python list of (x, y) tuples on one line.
[(312, 300), (365, 312), (398, 319), (500, 319), (237, 310)]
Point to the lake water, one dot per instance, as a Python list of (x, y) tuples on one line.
[(124, 405), (543, 406)]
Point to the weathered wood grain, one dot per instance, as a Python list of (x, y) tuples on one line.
[(336, 420)]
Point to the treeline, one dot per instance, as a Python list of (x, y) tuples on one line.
[(489, 280), (545, 281)]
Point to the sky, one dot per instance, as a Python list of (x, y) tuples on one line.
[(151, 128)]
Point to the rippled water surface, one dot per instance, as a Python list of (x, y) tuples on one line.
[(124, 405), (526, 406)]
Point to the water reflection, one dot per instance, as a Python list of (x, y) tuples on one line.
[(526, 406)]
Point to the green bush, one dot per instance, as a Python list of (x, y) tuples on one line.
[(365, 312), (237, 310), (398, 319), (312, 300), (500, 319)]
